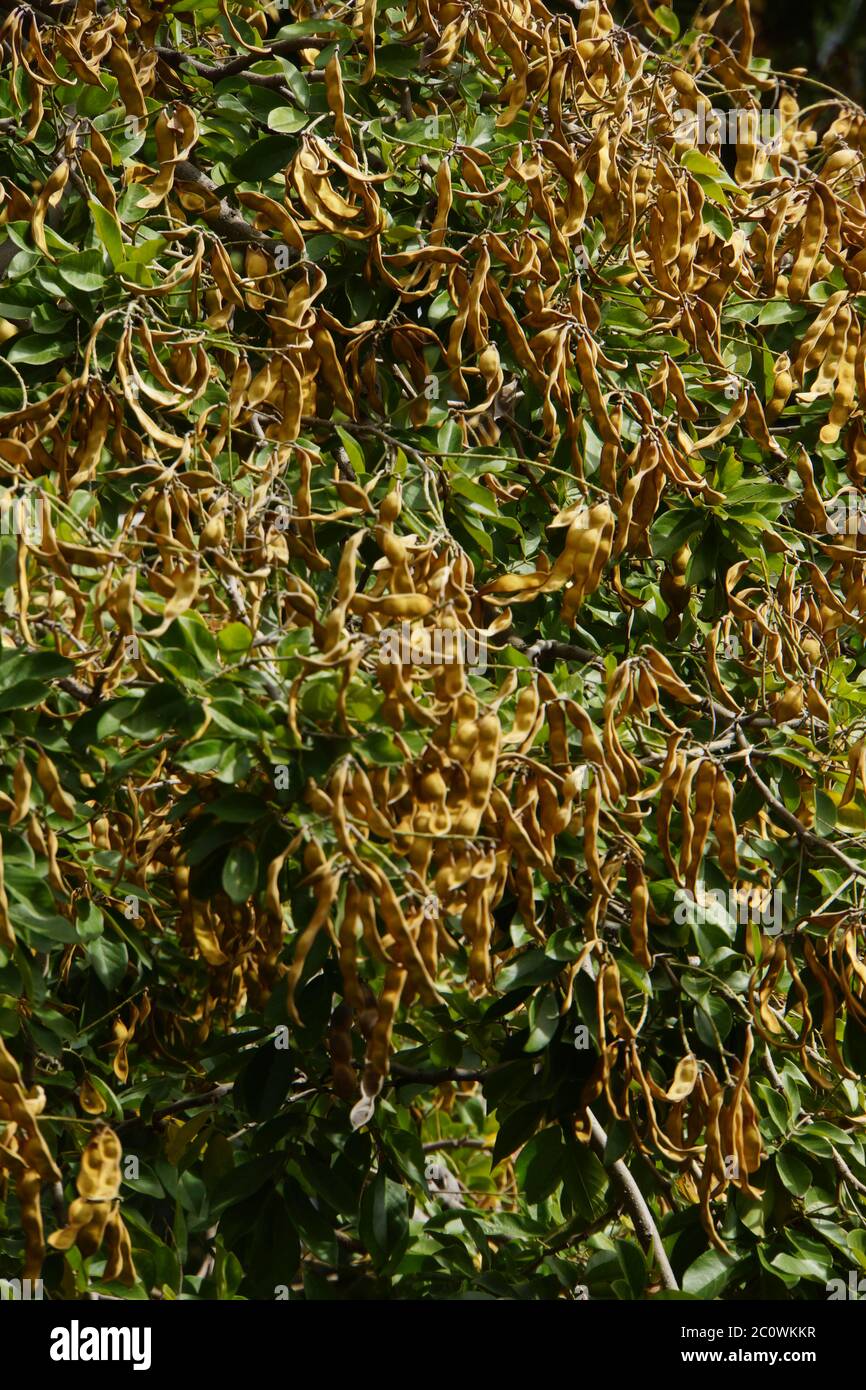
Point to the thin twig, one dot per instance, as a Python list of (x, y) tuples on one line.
[(845, 1172), (640, 1213), (284, 48), (789, 820), (455, 1144), (185, 1103)]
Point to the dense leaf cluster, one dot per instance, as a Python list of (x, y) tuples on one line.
[(432, 704)]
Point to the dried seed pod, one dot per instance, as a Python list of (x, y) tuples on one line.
[(340, 1047), (675, 591), (789, 705), (96, 1212), (724, 826), (639, 896), (685, 1077), (379, 1044)]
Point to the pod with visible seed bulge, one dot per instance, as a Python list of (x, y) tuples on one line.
[(89, 1098), (379, 1045), (705, 785), (639, 898), (685, 1077), (724, 824), (675, 591), (817, 705), (789, 704), (340, 1047), (783, 386), (368, 1013), (647, 690), (350, 928), (811, 649), (95, 1214)]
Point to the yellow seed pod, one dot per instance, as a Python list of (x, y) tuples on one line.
[(685, 1077), (789, 705), (639, 897), (525, 713), (21, 784), (90, 1099), (340, 1047), (647, 690), (49, 780), (96, 1212), (724, 825), (815, 702), (350, 930), (379, 1045), (705, 785)]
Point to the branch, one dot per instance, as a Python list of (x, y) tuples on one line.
[(786, 818), (276, 80), (368, 427), (409, 1076), (455, 1144), (560, 651), (845, 1172), (78, 690), (635, 1201), (225, 220), (185, 1103), (282, 49), (56, 12)]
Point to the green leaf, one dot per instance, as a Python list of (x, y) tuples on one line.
[(585, 1181), (665, 17), (82, 272), (240, 873), (274, 1248), (396, 60), (287, 120), (354, 450), (516, 1130), (88, 923), (709, 1274), (544, 1020), (108, 230), (707, 167), (35, 352), (263, 158), (109, 960), (540, 1165), (780, 311), (383, 1222), (234, 640), (720, 223), (633, 1265), (796, 1176)]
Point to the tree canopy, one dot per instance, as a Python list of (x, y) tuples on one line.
[(432, 671)]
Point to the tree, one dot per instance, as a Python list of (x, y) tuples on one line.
[(431, 691)]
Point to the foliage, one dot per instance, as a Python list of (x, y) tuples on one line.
[(827, 41), (386, 973)]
